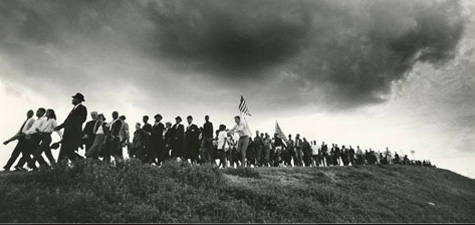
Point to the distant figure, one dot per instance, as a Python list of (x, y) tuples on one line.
[(307, 152), (291, 149), (222, 146), (267, 149), (278, 148), (244, 136), (298, 150), (100, 132), (137, 144), (45, 132), (351, 155), (250, 153), (88, 131), (147, 130), (207, 141), (259, 148), (22, 142), (124, 132), (359, 156), (178, 138), (157, 143), (192, 141), (315, 159), (324, 154), (406, 161), (396, 159), (168, 138), (344, 156), (337, 155), (72, 135), (234, 157), (114, 148)]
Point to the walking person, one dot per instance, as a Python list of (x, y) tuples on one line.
[(315, 150), (147, 130), (45, 132), (72, 135), (168, 139), (267, 149), (192, 142), (259, 148), (22, 142), (34, 138), (88, 132), (222, 146), (244, 135), (178, 139), (307, 152), (100, 133), (157, 143), (207, 141), (124, 132), (298, 150), (114, 148)]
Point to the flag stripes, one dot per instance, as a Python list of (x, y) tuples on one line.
[(243, 107), (279, 132)]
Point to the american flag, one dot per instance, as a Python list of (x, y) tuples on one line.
[(243, 107), (279, 132)]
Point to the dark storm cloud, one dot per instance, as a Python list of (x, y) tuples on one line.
[(352, 50), (229, 38), (342, 53)]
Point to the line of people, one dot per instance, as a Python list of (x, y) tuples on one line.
[(157, 142), (34, 137)]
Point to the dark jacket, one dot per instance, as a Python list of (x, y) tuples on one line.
[(208, 130), (115, 130), (192, 135), (73, 123), (89, 131)]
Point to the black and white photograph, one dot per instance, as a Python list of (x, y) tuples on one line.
[(237, 111)]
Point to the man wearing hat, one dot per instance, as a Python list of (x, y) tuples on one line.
[(178, 138), (72, 137)]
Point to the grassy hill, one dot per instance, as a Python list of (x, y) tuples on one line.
[(179, 193)]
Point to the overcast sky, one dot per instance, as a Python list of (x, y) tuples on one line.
[(378, 74)]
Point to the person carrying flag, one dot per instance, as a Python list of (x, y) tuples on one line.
[(244, 135)]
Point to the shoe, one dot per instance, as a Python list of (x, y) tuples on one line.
[(20, 169)]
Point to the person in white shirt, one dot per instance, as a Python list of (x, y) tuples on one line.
[(33, 138), (45, 131), (223, 146), (20, 136), (244, 135), (314, 146), (233, 157)]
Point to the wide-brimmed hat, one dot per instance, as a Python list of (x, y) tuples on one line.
[(79, 97)]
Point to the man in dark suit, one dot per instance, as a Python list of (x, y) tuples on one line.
[(207, 141), (177, 139), (72, 137), (147, 130), (113, 139), (157, 143), (88, 132), (192, 141), (168, 139)]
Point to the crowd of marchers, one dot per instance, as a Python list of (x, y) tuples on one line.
[(155, 142)]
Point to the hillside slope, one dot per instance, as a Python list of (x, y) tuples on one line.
[(133, 193)]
